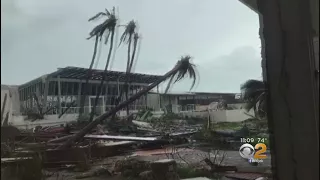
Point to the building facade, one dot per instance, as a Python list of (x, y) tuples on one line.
[(58, 90), (195, 101)]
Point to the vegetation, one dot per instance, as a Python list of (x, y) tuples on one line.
[(228, 126), (255, 96), (144, 114), (191, 172)]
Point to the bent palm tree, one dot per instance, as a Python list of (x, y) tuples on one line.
[(98, 32), (110, 29), (254, 94), (136, 38), (127, 37), (179, 71)]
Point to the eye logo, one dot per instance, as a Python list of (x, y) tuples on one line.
[(247, 151)]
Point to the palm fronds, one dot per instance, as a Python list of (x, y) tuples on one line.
[(128, 32), (106, 26), (186, 68), (254, 94)]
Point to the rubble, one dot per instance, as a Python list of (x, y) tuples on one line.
[(148, 152)]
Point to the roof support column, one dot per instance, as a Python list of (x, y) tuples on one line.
[(59, 96), (45, 93), (79, 94)]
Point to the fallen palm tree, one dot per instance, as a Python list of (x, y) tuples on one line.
[(182, 68)]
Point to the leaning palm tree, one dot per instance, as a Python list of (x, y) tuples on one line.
[(179, 71), (254, 94), (129, 36), (101, 30), (110, 31)]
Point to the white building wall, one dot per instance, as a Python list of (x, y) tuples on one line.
[(153, 101), (12, 104), (236, 115)]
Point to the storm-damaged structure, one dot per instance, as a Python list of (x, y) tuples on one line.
[(63, 88)]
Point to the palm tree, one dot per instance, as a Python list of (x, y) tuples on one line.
[(254, 94), (127, 37), (110, 31), (98, 32), (179, 71), (136, 38)]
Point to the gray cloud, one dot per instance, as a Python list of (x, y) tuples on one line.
[(222, 36)]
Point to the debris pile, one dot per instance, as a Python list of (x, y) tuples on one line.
[(41, 146)]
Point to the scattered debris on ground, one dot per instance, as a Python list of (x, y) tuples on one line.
[(158, 148)]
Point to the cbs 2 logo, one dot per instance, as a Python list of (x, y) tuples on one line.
[(256, 152)]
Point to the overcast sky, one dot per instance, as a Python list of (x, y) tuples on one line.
[(38, 36)]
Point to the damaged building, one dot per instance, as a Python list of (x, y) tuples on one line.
[(60, 92), (66, 85)]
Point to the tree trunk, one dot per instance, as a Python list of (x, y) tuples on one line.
[(135, 43), (104, 116), (168, 86), (93, 110), (130, 67), (126, 86), (89, 72)]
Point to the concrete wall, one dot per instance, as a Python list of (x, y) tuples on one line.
[(153, 101), (8, 104), (236, 115), (50, 120), (12, 104), (193, 114)]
